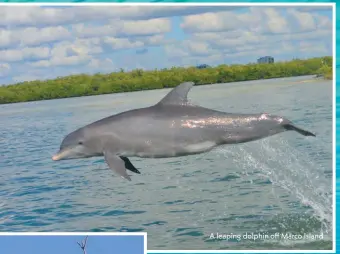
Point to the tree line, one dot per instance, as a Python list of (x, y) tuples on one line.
[(137, 80)]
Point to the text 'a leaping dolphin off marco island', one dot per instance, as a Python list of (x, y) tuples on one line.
[(173, 127)]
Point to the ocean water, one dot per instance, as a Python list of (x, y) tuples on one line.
[(275, 193)]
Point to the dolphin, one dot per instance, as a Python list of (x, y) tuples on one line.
[(171, 128)]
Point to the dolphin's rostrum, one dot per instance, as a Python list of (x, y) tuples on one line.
[(171, 128)]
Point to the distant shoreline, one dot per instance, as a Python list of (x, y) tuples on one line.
[(140, 80)]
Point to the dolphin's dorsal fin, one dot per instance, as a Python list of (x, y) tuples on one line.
[(178, 95)]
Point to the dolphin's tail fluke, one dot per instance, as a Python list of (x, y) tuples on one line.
[(291, 127)]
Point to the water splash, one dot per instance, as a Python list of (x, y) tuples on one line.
[(291, 169)]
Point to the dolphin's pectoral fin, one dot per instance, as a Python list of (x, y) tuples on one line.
[(129, 165), (116, 164), (178, 95)]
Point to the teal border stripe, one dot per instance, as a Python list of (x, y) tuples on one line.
[(336, 125), (337, 40), (162, 1)]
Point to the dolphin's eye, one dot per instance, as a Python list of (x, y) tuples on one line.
[(80, 143)]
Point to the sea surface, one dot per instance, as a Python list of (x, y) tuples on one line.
[(275, 193)]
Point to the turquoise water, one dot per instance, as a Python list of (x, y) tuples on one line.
[(278, 185)]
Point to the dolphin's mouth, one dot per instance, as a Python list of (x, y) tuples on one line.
[(71, 152), (59, 156), (63, 154)]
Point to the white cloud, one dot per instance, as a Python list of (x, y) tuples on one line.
[(314, 35), (32, 36), (15, 55), (257, 30), (275, 22), (69, 60), (84, 30), (323, 22), (248, 46), (119, 28), (176, 51), (155, 40), (265, 20), (42, 63), (21, 15), (189, 48), (81, 51), (77, 47), (199, 48), (309, 46), (246, 38), (131, 43), (5, 38), (211, 22), (122, 43), (211, 36), (35, 36), (87, 39), (71, 53), (262, 20), (36, 52), (95, 63), (259, 21), (101, 65), (146, 27), (11, 55), (37, 16), (4, 69), (301, 21), (63, 61), (13, 17)]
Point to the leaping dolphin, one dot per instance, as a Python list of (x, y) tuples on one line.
[(173, 127)]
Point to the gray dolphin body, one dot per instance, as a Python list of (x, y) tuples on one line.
[(173, 127)]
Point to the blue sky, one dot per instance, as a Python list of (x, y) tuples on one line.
[(68, 244), (47, 42)]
